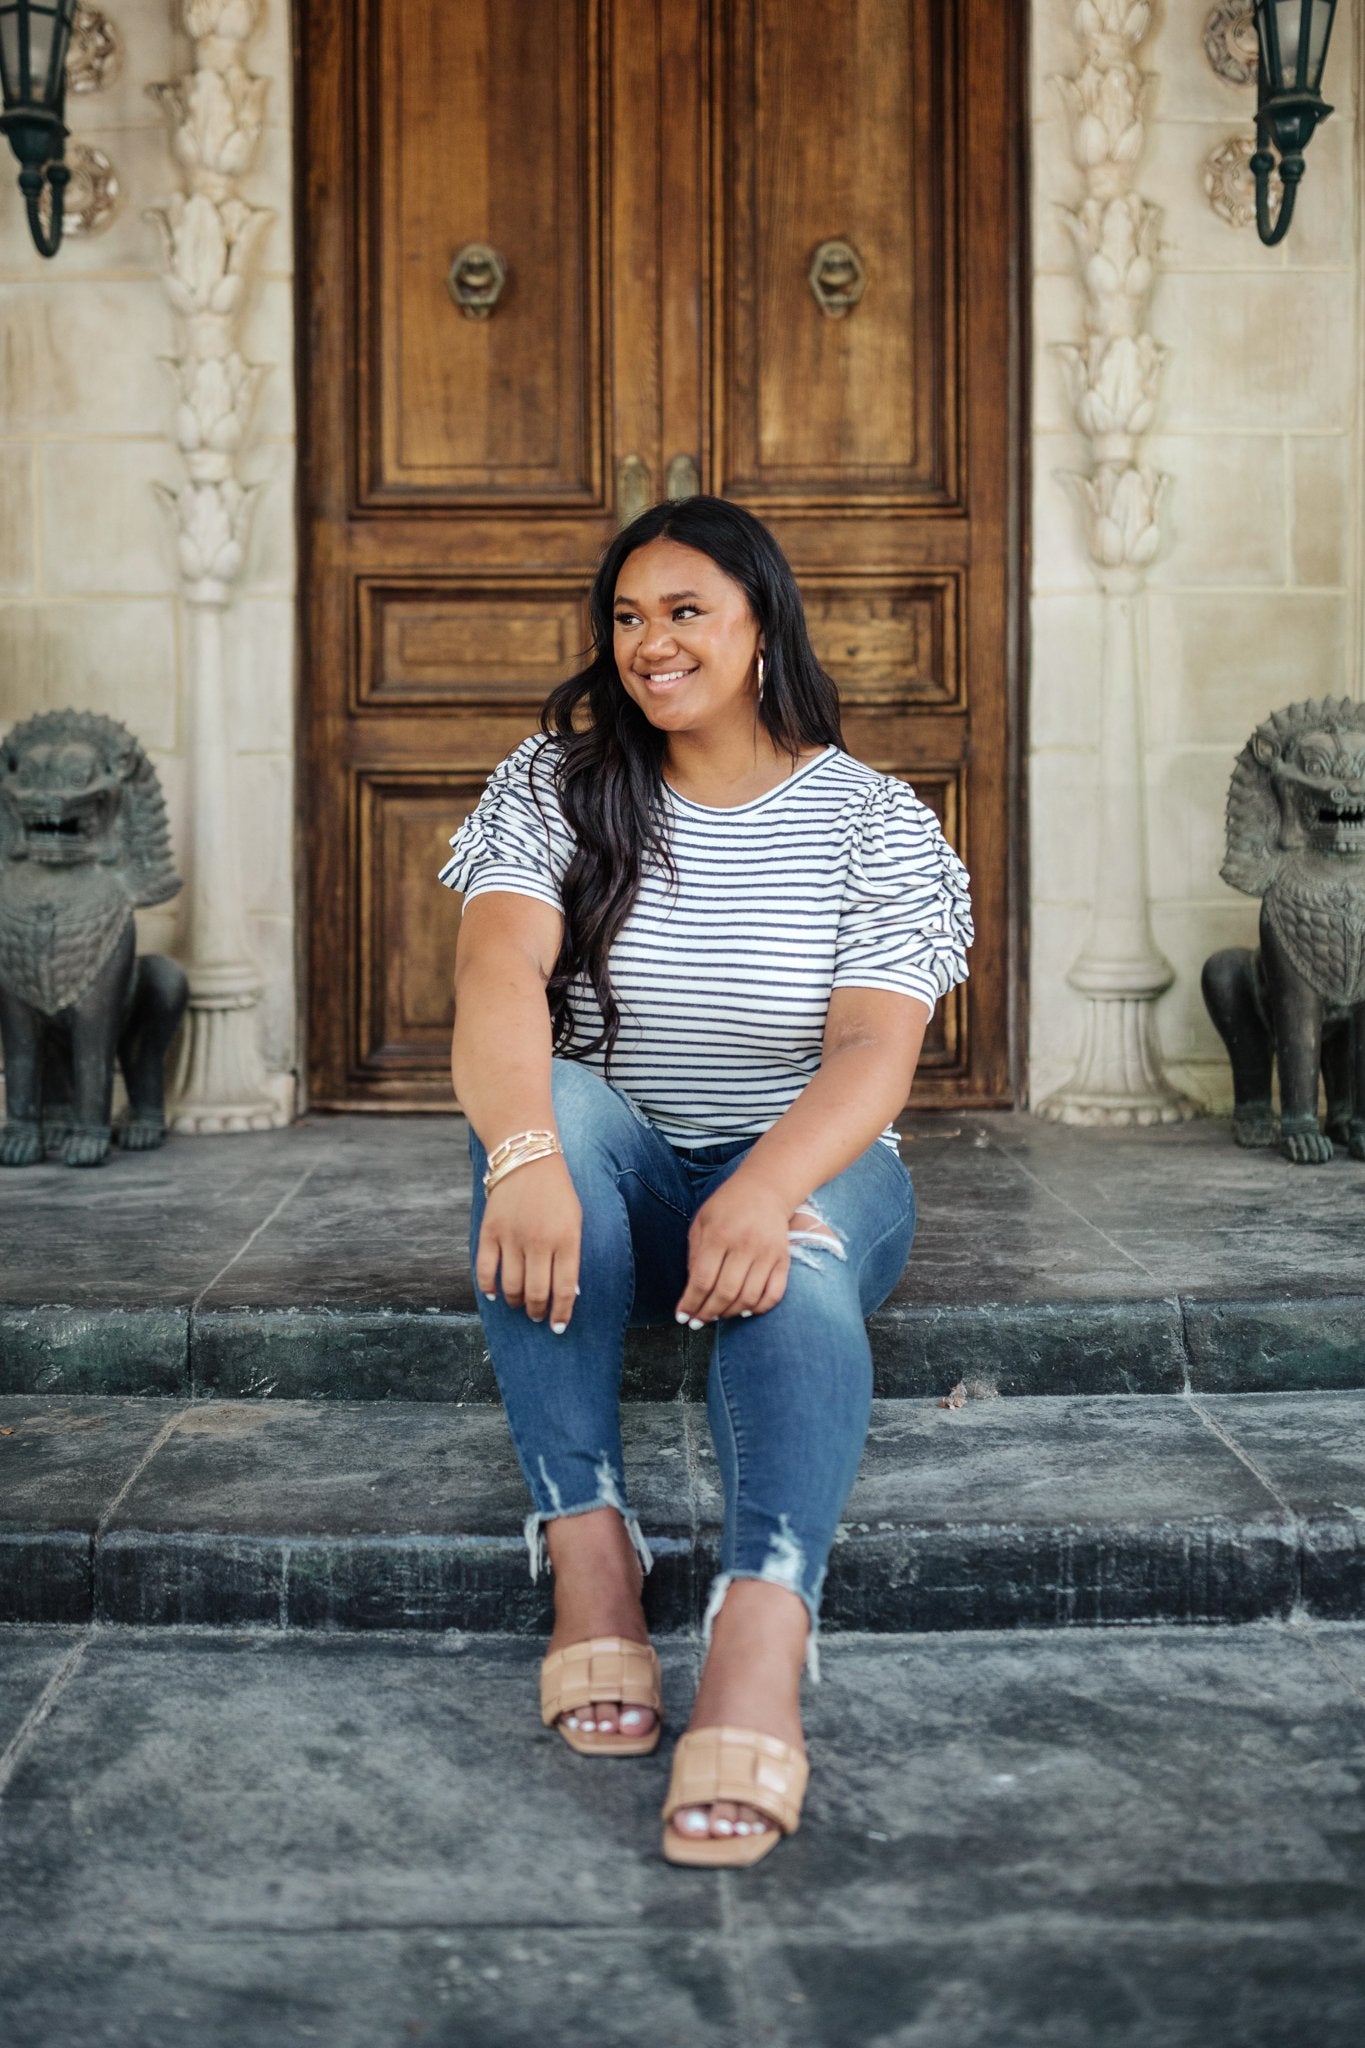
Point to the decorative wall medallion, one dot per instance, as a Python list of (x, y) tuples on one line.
[(1230, 42), (92, 196), (1228, 181), (94, 53)]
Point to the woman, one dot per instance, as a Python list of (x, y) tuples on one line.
[(699, 950)]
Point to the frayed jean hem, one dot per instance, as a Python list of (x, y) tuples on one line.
[(538, 1550), (721, 1585)]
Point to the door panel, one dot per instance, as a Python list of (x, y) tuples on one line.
[(481, 127), (834, 134), (656, 176)]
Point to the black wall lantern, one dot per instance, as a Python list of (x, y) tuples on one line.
[(34, 35), (1293, 37)]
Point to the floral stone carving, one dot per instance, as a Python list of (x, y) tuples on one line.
[(94, 54), (1296, 839), (1230, 42), (83, 842)]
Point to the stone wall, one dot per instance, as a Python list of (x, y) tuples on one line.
[(89, 612), (1254, 598)]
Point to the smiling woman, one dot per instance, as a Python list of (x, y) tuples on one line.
[(700, 947)]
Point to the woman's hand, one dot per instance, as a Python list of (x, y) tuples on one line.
[(533, 1229), (737, 1252)]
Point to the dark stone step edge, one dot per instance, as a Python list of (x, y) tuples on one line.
[(1212, 1569), (1148, 1346)]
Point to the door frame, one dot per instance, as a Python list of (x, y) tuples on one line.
[(323, 222)]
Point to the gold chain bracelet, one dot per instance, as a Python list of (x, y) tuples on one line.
[(516, 1151)]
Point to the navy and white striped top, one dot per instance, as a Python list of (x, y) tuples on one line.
[(837, 878)]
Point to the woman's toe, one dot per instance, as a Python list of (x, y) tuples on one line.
[(692, 1820), (604, 1715), (724, 1815), (749, 1821), (637, 1720)]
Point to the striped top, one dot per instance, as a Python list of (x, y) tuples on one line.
[(837, 878)]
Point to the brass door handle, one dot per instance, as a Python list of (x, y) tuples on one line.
[(633, 492), (683, 479), (475, 279), (837, 278)]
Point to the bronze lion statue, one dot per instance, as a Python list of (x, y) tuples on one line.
[(1296, 839), (83, 840)]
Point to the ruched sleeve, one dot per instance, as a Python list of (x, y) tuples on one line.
[(515, 837), (906, 920)]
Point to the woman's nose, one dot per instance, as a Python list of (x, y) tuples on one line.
[(657, 639)]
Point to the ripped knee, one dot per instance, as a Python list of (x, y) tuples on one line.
[(809, 1232)]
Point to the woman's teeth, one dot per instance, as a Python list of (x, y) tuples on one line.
[(670, 675)]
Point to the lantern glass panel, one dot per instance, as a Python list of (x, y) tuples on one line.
[(33, 40), (16, 87), (1291, 16)]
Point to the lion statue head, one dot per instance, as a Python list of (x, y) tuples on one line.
[(1297, 796), (77, 789)]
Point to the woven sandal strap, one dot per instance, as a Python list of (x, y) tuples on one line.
[(605, 1668), (742, 1765)]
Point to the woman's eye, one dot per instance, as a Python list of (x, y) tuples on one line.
[(626, 619), (680, 610)]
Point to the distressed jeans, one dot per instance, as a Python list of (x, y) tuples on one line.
[(789, 1391)]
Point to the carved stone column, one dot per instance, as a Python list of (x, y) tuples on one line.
[(210, 236), (1113, 376)]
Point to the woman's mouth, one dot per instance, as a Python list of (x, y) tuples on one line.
[(664, 678)]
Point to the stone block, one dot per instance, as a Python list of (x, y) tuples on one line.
[(1256, 350), (1218, 663), (116, 656), (86, 361), (1064, 670), (1063, 813), (105, 530), (1224, 517), (1320, 468), (17, 565), (1186, 837)]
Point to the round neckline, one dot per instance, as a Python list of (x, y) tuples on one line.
[(735, 810)]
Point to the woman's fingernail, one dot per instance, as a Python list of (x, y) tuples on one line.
[(489, 1297), (695, 1323), (746, 1311), (680, 1316), (578, 1290), (559, 1328)]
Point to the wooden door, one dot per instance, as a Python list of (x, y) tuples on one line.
[(656, 181)]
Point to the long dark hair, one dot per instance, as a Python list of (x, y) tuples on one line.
[(609, 769)]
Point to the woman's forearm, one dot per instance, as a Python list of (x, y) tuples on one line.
[(500, 1052), (859, 1089)]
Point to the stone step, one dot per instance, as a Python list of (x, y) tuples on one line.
[(1077, 1509), (1043, 1345)]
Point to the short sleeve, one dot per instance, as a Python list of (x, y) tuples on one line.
[(515, 837), (905, 922)]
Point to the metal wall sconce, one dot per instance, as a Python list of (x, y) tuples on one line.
[(34, 35), (1293, 36)]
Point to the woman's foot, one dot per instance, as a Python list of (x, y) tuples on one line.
[(597, 1582), (751, 1679)]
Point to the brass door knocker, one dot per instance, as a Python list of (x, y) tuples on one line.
[(837, 278), (476, 278)]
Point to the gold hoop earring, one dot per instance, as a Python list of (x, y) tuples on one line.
[(760, 678)]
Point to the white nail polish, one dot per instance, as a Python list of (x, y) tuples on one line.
[(632, 1719), (742, 1827), (589, 1727), (578, 1290), (695, 1323), (746, 1311), (723, 1827), (571, 1720), (559, 1328), (680, 1316), (489, 1297), (695, 1823)]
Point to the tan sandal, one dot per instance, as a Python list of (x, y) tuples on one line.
[(741, 1765), (604, 1668)]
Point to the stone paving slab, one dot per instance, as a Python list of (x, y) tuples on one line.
[(1108, 1839), (330, 1260), (1057, 1511)]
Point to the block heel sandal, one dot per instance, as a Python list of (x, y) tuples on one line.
[(604, 1668), (741, 1765)]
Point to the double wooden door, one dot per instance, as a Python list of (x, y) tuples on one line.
[(560, 258)]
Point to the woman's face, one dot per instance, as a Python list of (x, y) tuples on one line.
[(685, 639)]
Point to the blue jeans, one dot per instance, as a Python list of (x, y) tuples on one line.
[(789, 1391)]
